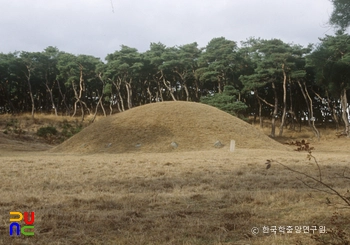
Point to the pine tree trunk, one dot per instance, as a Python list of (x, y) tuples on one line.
[(32, 99), (219, 86), (110, 106), (344, 105), (63, 98), (96, 109), (196, 90), (308, 101), (82, 111), (317, 133), (334, 112), (170, 89), (121, 101), (330, 108), (283, 119), (275, 111), (160, 92), (129, 93), (291, 111), (186, 91), (51, 96), (260, 109), (149, 94), (30, 90)]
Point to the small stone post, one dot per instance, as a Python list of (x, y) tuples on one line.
[(232, 146)]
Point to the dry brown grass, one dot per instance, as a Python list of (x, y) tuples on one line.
[(169, 198), (193, 126), (22, 129), (195, 197)]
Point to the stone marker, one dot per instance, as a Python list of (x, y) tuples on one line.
[(232, 146), (218, 144), (174, 145)]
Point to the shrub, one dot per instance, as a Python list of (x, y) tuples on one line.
[(14, 126), (46, 131), (226, 101), (12, 123), (69, 130)]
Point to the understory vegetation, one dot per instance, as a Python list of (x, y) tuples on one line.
[(52, 130), (52, 135)]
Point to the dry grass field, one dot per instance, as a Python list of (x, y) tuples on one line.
[(202, 195)]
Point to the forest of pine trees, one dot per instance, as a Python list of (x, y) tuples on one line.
[(263, 79)]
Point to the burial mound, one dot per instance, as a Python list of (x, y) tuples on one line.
[(156, 127)]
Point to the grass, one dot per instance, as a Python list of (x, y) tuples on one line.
[(192, 198), (177, 197), (48, 128), (153, 127)]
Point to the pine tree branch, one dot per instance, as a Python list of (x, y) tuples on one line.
[(267, 103)]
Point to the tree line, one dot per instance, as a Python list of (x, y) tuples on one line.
[(260, 78)]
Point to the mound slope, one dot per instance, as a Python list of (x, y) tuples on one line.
[(153, 127)]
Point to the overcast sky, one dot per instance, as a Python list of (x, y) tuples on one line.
[(99, 27)]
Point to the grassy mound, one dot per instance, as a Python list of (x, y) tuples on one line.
[(153, 127)]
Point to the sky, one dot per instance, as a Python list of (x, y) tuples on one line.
[(100, 27)]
